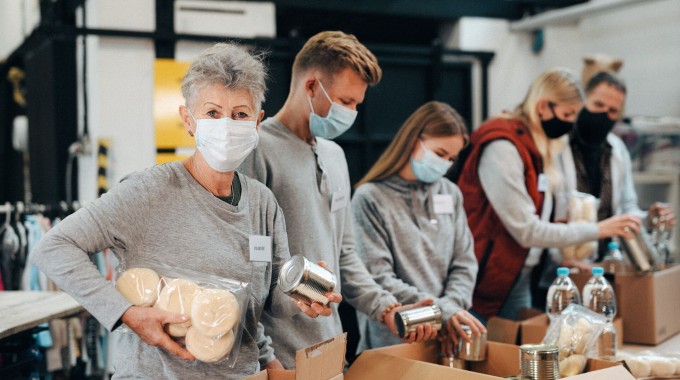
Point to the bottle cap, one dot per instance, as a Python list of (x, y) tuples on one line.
[(563, 271), (598, 271), (612, 245)]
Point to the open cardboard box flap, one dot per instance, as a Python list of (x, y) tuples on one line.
[(323, 361)]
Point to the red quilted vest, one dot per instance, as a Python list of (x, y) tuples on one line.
[(500, 257)]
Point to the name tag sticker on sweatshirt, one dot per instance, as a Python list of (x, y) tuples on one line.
[(543, 183), (261, 248), (340, 200), (443, 203)]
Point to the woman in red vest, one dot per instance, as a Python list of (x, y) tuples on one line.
[(507, 183)]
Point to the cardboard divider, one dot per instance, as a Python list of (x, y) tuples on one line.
[(322, 361)]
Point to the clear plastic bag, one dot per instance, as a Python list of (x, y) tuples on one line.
[(650, 365), (582, 209), (575, 333), (216, 307)]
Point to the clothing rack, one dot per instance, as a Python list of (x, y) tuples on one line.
[(35, 208)]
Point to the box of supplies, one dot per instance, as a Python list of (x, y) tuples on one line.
[(418, 361)]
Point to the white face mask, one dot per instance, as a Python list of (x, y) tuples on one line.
[(337, 122), (225, 143), (430, 167)]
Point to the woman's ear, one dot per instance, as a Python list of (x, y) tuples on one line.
[(259, 120), (186, 120), (543, 109)]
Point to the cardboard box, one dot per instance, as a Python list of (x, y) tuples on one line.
[(322, 361), (648, 304), (418, 362), (508, 331), (535, 328)]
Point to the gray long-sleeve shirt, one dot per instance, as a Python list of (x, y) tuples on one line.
[(415, 241), (305, 180), (501, 174), (163, 215)]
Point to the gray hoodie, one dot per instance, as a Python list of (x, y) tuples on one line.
[(414, 239)]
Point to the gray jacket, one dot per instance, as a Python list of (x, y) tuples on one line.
[(305, 180), (415, 241), (163, 215)]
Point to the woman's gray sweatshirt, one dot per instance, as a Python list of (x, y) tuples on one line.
[(415, 241)]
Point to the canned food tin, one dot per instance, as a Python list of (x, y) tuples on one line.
[(539, 362), (452, 362), (640, 250), (408, 320), (472, 351), (305, 281)]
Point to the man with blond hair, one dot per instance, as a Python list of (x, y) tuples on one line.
[(308, 175)]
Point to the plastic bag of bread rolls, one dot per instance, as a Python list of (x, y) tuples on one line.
[(215, 306), (582, 209), (574, 333)]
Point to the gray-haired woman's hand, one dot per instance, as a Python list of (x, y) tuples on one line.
[(148, 322)]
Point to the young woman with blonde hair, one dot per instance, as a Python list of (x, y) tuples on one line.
[(508, 182), (410, 226)]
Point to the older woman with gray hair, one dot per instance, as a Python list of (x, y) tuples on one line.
[(198, 214)]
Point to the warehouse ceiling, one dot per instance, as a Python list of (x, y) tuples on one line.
[(402, 21)]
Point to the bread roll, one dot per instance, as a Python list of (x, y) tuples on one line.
[(575, 209), (177, 296), (573, 365), (639, 367), (661, 367), (583, 332), (676, 363), (569, 252), (589, 209), (139, 286), (178, 330), (214, 312), (209, 349), (585, 250)]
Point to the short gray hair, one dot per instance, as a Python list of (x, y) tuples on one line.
[(228, 64)]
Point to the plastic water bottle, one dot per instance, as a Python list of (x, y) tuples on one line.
[(598, 296), (613, 261), (561, 293)]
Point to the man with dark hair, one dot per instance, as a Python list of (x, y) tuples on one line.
[(597, 161)]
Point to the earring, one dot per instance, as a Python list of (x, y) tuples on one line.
[(191, 134)]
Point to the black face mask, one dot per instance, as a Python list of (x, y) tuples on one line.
[(592, 128), (556, 127)]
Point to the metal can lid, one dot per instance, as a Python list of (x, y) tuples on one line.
[(291, 273), (538, 348)]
